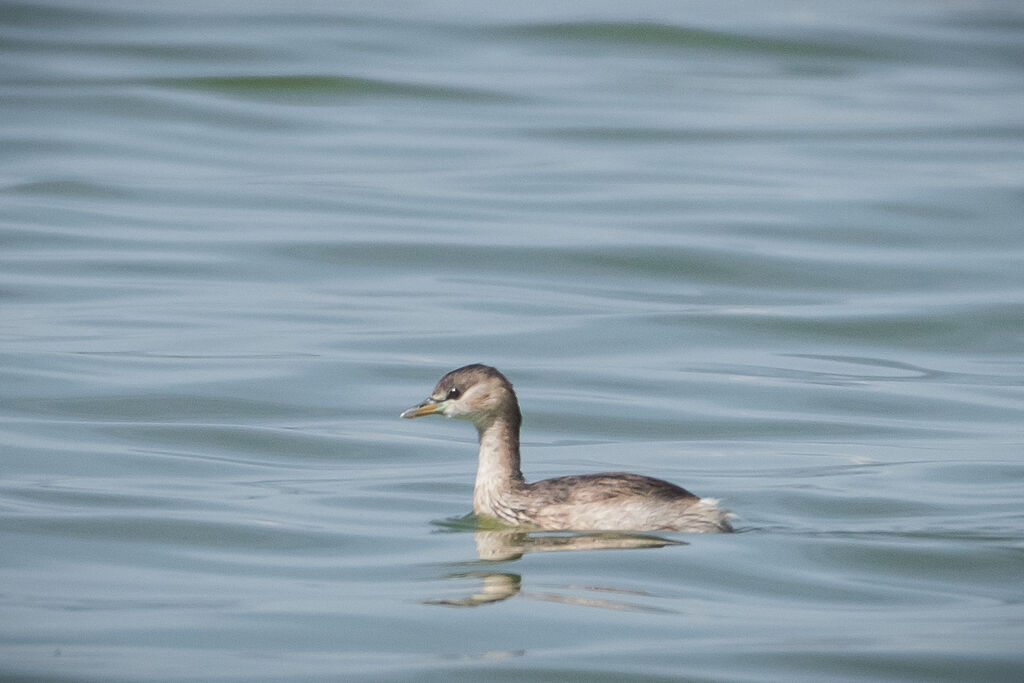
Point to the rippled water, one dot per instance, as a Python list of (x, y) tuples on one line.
[(772, 255)]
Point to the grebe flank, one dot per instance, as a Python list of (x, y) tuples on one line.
[(615, 501)]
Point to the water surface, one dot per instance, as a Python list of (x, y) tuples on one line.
[(772, 256)]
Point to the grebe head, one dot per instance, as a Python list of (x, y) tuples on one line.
[(477, 393)]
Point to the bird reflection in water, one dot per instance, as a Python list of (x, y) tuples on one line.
[(504, 545)]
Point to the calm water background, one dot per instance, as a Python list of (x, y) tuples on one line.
[(772, 254)]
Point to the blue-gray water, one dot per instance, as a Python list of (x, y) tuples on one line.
[(774, 254)]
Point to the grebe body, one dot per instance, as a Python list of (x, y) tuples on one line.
[(613, 501)]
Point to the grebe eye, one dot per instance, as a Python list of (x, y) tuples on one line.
[(453, 393)]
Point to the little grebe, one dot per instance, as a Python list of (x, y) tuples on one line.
[(616, 501)]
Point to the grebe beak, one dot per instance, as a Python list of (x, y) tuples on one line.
[(428, 407)]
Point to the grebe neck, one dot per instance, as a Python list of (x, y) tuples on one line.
[(498, 469)]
